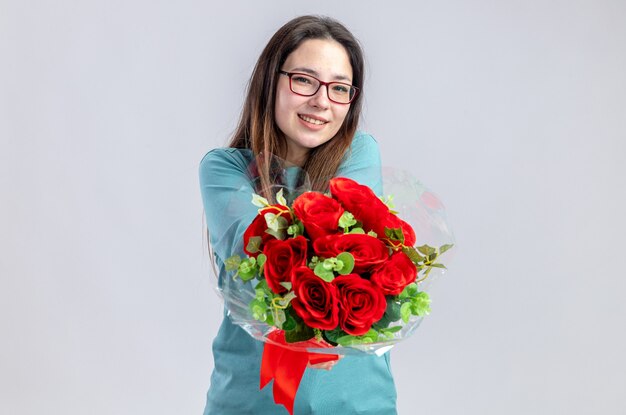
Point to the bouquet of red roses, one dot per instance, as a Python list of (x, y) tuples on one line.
[(342, 268), (332, 271)]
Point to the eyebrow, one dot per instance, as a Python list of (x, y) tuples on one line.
[(315, 73)]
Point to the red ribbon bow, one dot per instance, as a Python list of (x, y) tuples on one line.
[(286, 366)]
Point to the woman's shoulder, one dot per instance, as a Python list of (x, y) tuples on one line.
[(234, 158), (363, 139), (364, 146)]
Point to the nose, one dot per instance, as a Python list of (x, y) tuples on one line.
[(320, 99)]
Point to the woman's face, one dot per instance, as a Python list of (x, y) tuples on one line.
[(308, 122)]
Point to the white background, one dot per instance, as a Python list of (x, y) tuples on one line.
[(514, 112)]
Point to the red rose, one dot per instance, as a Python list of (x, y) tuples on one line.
[(368, 252), (282, 258), (317, 301), (319, 213), (367, 208), (359, 200), (259, 226), (361, 304), (395, 274)]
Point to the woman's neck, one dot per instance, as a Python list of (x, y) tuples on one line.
[(296, 157)]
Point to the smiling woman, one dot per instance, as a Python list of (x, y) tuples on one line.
[(303, 106), (305, 112), (308, 44)]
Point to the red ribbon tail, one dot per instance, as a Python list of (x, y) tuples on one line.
[(286, 367), (271, 353)]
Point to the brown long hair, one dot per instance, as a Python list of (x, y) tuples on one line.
[(257, 129)]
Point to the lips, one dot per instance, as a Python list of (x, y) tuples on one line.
[(311, 120)]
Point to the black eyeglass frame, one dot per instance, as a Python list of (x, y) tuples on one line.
[(322, 83)]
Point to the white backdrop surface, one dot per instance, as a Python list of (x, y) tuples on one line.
[(513, 112)]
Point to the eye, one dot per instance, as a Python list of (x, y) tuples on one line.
[(341, 89), (301, 79)]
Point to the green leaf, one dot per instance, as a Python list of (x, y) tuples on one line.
[(394, 234), (329, 264), (284, 301), (258, 309), (372, 233), (348, 263), (313, 262), (405, 312), (416, 258), (438, 266), (444, 248), (254, 244), (346, 220), (259, 294), (357, 230), (382, 323), (420, 304), (324, 274), (286, 284), (280, 198), (300, 333), (371, 334), (404, 294), (247, 269), (262, 285), (232, 263), (370, 337), (411, 289), (347, 340), (387, 333), (331, 336), (260, 260), (393, 310), (426, 250), (275, 222), (259, 201), (388, 201), (279, 317), (279, 234), (392, 313), (289, 324)]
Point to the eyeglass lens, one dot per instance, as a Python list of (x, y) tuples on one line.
[(307, 85)]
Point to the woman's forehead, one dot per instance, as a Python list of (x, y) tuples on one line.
[(324, 58)]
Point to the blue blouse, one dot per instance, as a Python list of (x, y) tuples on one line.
[(356, 384)]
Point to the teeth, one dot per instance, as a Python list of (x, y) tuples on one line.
[(311, 120)]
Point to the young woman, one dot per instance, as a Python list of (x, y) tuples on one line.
[(303, 105)]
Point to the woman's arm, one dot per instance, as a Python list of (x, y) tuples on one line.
[(226, 196)]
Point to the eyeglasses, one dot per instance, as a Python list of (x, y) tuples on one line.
[(307, 85)]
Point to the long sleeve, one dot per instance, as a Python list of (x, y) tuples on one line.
[(226, 194)]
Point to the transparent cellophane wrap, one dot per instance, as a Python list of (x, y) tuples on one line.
[(415, 204)]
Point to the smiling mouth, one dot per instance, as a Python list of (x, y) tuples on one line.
[(311, 120)]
